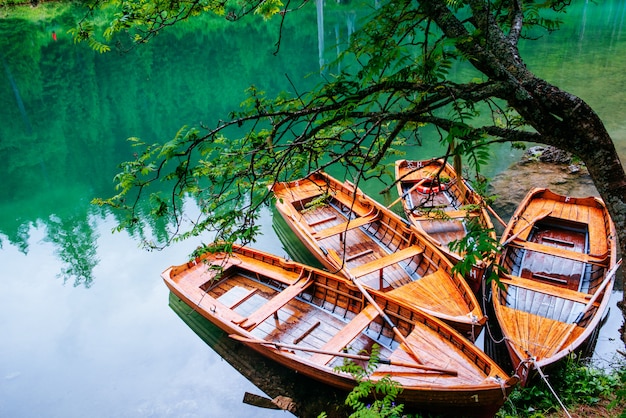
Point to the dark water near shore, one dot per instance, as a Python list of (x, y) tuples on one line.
[(87, 329)]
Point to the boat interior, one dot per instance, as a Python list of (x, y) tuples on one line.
[(432, 211), (316, 311), (378, 250), (552, 274), (274, 310)]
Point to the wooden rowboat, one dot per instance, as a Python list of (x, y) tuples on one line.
[(310, 321), (560, 253), (440, 203), (350, 233)]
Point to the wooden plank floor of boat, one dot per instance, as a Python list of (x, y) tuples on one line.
[(354, 247), (436, 200), (444, 231), (296, 322)]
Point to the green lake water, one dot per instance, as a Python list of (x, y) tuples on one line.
[(86, 325)]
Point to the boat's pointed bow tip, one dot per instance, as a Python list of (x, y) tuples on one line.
[(482, 320), (512, 381), (236, 337)]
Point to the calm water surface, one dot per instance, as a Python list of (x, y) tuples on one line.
[(87, 329)]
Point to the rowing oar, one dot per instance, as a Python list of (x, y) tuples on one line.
[(596, 294), (418, 184), (259, 401), (571, 327), (530, 223), (494, 213), (381, 360), (389, 322)]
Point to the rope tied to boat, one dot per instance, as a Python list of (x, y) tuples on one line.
[(533, 361), (474, 319), (485, 300), (502, 384)]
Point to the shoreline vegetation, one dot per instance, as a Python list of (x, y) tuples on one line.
[(573, 389), (585, 390), (34, 10)]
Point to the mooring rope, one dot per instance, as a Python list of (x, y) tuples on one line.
[(545, 379), (485, 300)]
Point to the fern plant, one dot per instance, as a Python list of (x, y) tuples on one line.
[(477, 245), (319, 202), (372, 399)]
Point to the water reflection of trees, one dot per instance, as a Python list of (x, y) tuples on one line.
[(67, 110), (75, 246)]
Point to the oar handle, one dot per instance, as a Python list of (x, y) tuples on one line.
[(418, 366), (494, 213), (418, 184)]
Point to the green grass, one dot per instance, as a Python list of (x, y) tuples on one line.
[(577, 384)]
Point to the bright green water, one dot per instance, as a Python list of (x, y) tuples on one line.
[(117, 349)]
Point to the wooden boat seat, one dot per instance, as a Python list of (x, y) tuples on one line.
[(358, 205), (345, 226), (275, 303), (433, 293), (386, 261), (557, 291), (277, 273), (302, 192), (561, 252), (346, 334)]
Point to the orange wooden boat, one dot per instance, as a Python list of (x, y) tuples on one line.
[(310, 321), (440, 204), (351, 233), (560, 253)]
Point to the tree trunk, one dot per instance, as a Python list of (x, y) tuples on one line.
[(582, 133), (562, 119)]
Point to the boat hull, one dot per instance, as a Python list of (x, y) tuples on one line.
[(559, 254), (439, 203), (454, 375), (353, 235)]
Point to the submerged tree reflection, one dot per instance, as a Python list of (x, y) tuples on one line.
[(76, 247)]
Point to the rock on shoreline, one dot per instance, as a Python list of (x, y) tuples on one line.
[(539, 167)]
